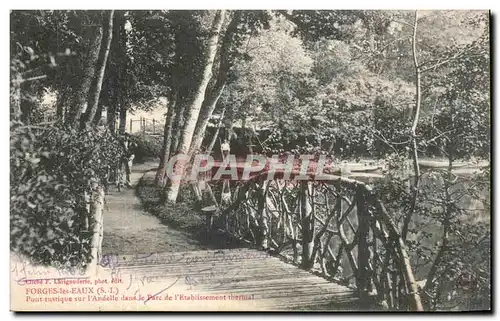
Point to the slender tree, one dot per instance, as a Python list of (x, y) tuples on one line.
[(194, 107), (167, 141), (100, 69), (93, 32), (413, 131), (212, 96)]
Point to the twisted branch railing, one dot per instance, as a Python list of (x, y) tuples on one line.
[(336, 226)]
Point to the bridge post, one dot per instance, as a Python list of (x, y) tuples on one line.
[(226, 188), (363, 276), (404, 264), (209, 213), (262, 216), (306, 214)]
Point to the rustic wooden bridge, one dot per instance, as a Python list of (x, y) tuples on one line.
[(333, 225), (326, 244), (248, 278)]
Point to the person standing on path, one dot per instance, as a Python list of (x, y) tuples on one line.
[(128, 156)]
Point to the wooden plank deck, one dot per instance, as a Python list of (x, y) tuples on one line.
[(250, 280)]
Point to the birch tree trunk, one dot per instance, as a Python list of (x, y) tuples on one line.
[(174, 117), (447, 210), (97, 226), (206, 113), (176, 127), (194, 107), (98, 115), (117, 69), (93, 36), (167, 143), (212, 96), (101, 68), (416, 113)]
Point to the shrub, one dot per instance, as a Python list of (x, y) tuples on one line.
[(52, 169), (147, 147)]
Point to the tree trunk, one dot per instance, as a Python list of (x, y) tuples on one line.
[(212, 96), (416, 113), (111, 118), (101, 68), (115, 72), (167, 143), (250, 141), (179, 92), (206, 113), (195, 106), (430, 282), (123, 121), (93, 36), (62, 102), (28, 101), (216, 134), (15, 96), (176, 128), (98, 115), (97, 226)]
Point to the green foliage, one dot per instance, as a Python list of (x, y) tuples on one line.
[(52, 169), (51, 43), (464, 266), (314, 25), (462, 279), (449, 238), (149, 55), (268, 82), (146, 147), (459, 127)]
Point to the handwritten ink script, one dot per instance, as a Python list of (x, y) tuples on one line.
[(138, 279)]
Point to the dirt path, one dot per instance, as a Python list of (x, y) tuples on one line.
[(129, 229)]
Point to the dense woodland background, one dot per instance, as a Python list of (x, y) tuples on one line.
[(395, 87)]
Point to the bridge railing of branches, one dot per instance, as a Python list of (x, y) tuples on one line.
[(336, 226)]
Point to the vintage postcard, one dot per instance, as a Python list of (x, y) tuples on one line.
[(250, 160)]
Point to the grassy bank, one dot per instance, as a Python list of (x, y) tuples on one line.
[(183, 216)]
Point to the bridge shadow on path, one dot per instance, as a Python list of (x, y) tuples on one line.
[(135, 222), (183, 216)]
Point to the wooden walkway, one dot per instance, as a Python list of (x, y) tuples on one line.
[(196, 278), (236, 279)]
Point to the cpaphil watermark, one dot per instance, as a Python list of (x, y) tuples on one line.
[(292, 167)]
